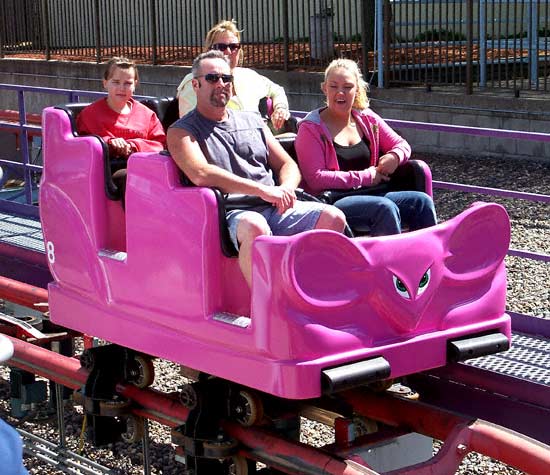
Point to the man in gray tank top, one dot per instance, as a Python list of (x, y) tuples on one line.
[(235, 152)]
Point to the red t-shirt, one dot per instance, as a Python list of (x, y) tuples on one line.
[(140, 127)]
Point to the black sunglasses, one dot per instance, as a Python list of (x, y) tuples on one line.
[(213, 78), (223, 46)]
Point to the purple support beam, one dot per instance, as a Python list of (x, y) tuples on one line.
[(492, 191), (530, 325), (462, 129), (537, 256)]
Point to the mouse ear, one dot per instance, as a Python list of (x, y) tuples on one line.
[(327, 269), (479, 242)]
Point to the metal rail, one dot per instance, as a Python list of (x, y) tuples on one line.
[(62, 459), (22, 128), (461, 434)]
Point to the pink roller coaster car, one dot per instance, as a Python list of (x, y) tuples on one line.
[(325, 311)]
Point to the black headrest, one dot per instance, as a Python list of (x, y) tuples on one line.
[(73, 109), (166, 108)]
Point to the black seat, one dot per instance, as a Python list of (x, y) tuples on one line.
[(112, 191), (410, 176), (166, 108), (110, 164), (73, 109), (287, 141), (290, 125)]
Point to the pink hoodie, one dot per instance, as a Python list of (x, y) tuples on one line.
[(317, 156)]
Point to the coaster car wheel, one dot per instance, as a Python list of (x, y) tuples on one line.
[(188, 396), (222, 448), (141, 372), (248, 408), (114, 408), (239, 465), (135, 429), (381, 385)]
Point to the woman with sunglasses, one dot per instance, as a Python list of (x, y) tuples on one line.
[(249, 87)]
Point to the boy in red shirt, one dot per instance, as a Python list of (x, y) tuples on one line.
[(126, 125)]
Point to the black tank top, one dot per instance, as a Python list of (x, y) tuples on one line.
[(353, 157)]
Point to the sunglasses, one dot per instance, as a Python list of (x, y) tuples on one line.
[(213, 78), (223, 46)]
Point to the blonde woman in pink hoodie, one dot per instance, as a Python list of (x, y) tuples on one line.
[(345, 145)]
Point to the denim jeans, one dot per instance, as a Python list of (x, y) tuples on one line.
[(386, 214)]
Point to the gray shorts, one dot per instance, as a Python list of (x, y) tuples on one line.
[(302, 217)]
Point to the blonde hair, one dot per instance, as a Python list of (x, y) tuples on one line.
[(220, 28), (361, 99), (119, 62)]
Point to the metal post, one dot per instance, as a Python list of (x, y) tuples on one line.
[(368, 19), (380, 41), (24, 146), (60, 414), (482, 43), (154, 32), (532, 33), (387, 38), (59, 393), (46, 28), (285, 35), (2, 31), (145, 443), (215, 12), (469, 45), (97, 15)]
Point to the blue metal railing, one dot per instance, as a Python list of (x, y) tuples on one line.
[(22, 200)]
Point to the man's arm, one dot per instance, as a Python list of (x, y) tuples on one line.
[(187, 154)]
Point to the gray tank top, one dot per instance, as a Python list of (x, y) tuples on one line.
[(237, 144)]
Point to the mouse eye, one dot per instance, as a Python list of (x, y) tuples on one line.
[(423, 285), (400, 288)]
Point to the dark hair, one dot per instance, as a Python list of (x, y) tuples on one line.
[(211, 54), (119, 62)]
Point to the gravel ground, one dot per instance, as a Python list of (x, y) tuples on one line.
[(528, 289), (528, 293)]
